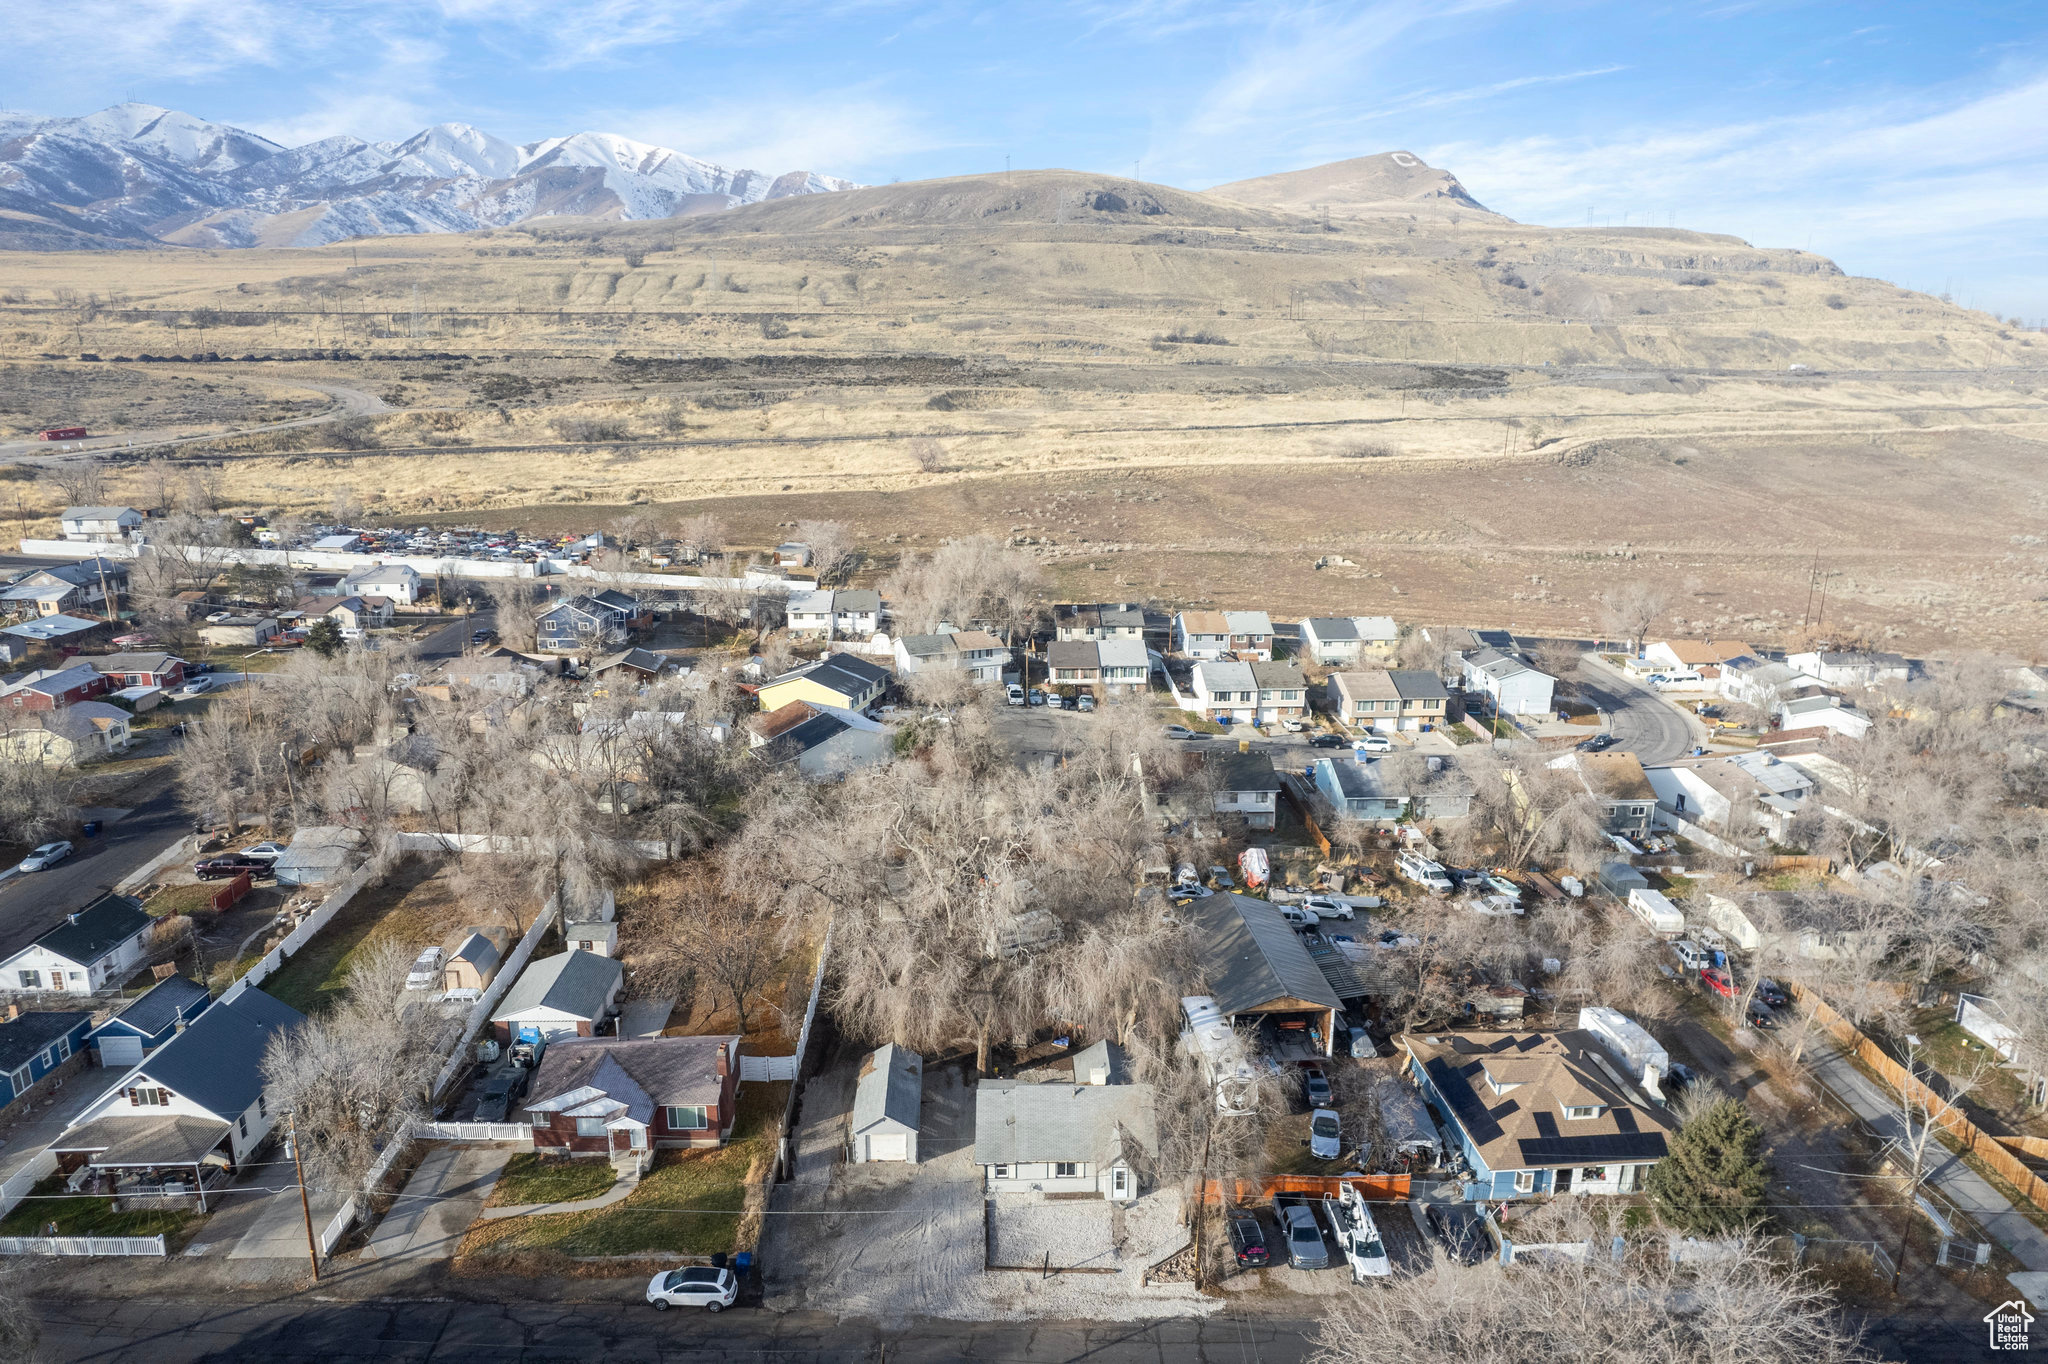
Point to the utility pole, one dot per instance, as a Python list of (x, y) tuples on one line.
[(305, 1206)]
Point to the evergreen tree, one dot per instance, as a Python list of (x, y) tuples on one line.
[(323, 637), (1714, 1179)]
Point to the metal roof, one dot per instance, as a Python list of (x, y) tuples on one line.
[(1251, 956), (891, 1087)]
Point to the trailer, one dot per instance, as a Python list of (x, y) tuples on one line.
[(62, 433), (1226, 1061)]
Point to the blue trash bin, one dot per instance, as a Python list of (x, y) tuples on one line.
[(743, 1262), (92, 828)]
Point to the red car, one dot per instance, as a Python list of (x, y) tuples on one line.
[(1719, 981)]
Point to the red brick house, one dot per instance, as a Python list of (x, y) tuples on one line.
[(56, 688), (139, 669), (601, 1096)]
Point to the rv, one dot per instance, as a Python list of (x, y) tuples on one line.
[(1221, 1050)]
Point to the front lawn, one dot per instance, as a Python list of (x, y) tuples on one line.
[(192, 899), (533, 1177), (689, 1203), (86, 1216)]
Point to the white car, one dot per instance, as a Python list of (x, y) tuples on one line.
[(693, 1286), (1294, 726), (198, 686), (1325, 1134), (426, 970), (1423, 872), (270, 852), (1327, 908), (45, 857), (1373, 743), (1013, 695), (1300, 918)]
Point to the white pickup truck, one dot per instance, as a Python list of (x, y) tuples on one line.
[(1358, 1237)]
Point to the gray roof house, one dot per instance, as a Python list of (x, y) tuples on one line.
[(886, 1100), (1256, 964), (1058, 1138), (566, 995), (152, 1020), (94, 949), (318, 855)]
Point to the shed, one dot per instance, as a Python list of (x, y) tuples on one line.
[(473, 965), (1619, 878), (1256, 964), (886, 1100), (566, 995)]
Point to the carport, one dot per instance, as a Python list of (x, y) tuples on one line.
[(1258, 968)]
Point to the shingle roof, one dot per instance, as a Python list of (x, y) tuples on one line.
[(1331, 629), (96, 513), (1373, 684), (1072, 653), (1249, 622), (217, 1062), (122, 1140), (1417, 685), (96, 930), (1219, 676), (1251, 956), (1018, 1122), (658, 1071), (857, 600), (479, 952), (1525, 1126), (1204, 623), (810, 603), (1272, 676), (1497, 665), (641, 660), (131, 663), (849, 676), (21, 1038), (1243, 771), (55, 681), (891, 1086), (572, 983), (160, 1007)]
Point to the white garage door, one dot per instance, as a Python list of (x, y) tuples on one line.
[(888, 1146), (120, 1051)]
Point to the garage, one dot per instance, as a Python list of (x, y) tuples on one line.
[(889, 1146), (116, 1050), (886, 1101)]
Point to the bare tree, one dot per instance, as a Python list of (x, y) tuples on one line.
[(34, 799), (81, 482), (1630, 610), (205, 488), (927, 453), (512, 601), (721, 939), (702, 535), (159, 479), (832, 547), (968, 580)]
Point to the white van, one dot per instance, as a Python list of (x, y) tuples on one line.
[(1678, 681)]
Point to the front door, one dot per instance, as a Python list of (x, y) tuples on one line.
[(1564, 1181), (1119, 1184)]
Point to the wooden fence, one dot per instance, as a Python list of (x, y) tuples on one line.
[(230, 895), (1973, 1139), (1373, 1188)]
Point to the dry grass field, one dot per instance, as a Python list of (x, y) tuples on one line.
[(1168, 394)]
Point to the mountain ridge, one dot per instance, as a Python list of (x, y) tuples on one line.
[(138, 174)]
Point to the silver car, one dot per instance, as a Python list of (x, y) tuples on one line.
[(45, 857)]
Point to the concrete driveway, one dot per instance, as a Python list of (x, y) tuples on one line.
[(442, 1198)]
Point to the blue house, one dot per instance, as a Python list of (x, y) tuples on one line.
[(1539, 1113), (585, 622), (152, 1020), (32, 1045)]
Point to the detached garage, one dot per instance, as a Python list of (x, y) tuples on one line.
[(152, 1020), (885, 1106)]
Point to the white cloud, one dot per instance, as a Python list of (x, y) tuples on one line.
[(371, 115), (161, 38)]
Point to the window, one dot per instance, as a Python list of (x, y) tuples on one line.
[(20, 1080), (1065, 1169), (1585, 1111), (148, 1098), (590, 1127), (1525, 1181), (242, 1125), (31, 980), (48, 1056), (63, 1049), (999, 1172), (262, 1110), (686, 1117)]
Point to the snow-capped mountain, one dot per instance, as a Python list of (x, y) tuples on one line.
[(136, 173)]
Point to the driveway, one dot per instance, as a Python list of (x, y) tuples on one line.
[(439, 1202)]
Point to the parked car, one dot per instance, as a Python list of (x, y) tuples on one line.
[(1423, 872), (1294, 726), (1013, 695), (1689, 954), (269, 852), (233, 864), (693, 1286), (197, 686), (1325, 1134), (1299, 917), (1317, 1086), (1456, 1228), (1220, 878), (1179, 732), (501, 1091), (1327, 741), (1678, 1077), (1760, 1015), (1373, 743), (1248, 1240), (1327, 908), (1037, 697), (1719, 981), (426, 970), (1597, 744), (45, 856), (1087, 702), (1301, 1230), (1772, 993), (482, 636)]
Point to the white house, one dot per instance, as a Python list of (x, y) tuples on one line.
[(1099, 621), (1201, 634), (1338, 640), (1246, 785), (1126, 664), (1752, 681), (977, 653), (1516, 688), (566, 995), (398, 584), (100, 523), (854, 613), (1851, 668), (1824, 712), (887, 1098), (1703, 656), (1089, 1137), (94, 949), (195, 1102), (1707, 791), (1249, 693)]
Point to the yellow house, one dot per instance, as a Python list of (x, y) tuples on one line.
[(838, 680)]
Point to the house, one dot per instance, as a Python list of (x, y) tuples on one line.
[(72, 737), (398, 584), (504, 674), (1851, 668), (55, 688), (977, 653), (198, 1102), (1356, 791), (81, 589), (810, 613), (632, 666), (1703, 656), (149, 1021), (1257, 967), (580, 624), (55, 631), (1075, 661), (1334, 641), (1252, 693), (34, 1046), (852, 613), (319, 854), (1384, 791), (603, 1096), (138, 669), (837, 680), (1065, 1139), (566, 995), (827, 744), (469, 970), (1514, 686), (100, 523), (1201, 634), (792, 554), (1751, 681), (247, 631), (1616, 781), (1733, 794), (353, 614), (1539, 1113), (887, 1097), (1245, 784), (1824, 712), (94, 949), (1384, 701), (342, 542), (1100, 621), (1126, 664)]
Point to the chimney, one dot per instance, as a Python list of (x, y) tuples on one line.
[(721, 1062), (1098, 1075), (13, 1012)]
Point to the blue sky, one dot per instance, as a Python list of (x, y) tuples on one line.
[(1906, 141)]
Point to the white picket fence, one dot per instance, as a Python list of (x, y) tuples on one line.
[(16, 1186), (82, 1245), (767, 1068), (472, 1131), (275, 959), (338, 1225)]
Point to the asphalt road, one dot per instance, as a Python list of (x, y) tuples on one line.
[(453, 638), (1643, 723), (32, 903), (440, 1331)]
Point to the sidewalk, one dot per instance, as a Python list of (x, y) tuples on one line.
[(629, 1180), (1969, 1191)]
